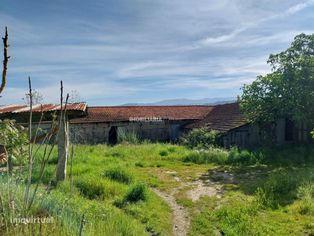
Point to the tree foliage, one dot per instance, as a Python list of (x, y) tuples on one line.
[(200, 138), (286, 92), (13, 138)]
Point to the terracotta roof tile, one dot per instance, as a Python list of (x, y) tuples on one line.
[(41, 107), (222, 118), (131, 113)]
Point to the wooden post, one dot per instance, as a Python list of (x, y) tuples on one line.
[(63, 139), (63, 148)]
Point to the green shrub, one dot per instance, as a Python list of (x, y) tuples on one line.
[(242, 157), (163, 153), (137, 192), (95, 188), (118, 174), (202, 156), (306, 195), (200, 138)]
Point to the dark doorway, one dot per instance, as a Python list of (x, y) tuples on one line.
[(113, 135), (289, 130)]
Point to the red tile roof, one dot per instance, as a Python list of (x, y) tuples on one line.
[(41, 107), (131, 113), (222, 118)]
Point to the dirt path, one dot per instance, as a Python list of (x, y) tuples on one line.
[(180, 219), (201, 188)]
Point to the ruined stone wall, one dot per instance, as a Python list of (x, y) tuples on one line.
[(93, 133)]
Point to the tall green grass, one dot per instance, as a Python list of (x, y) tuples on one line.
[(119, 174), (285, 186), (283, 205), (288, 156), (130, 137)]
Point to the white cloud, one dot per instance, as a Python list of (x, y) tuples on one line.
[(208, 41), (150, 47)]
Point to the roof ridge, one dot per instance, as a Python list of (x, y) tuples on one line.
[(151, 106)]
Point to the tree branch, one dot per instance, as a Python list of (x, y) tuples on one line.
[(5, 60)]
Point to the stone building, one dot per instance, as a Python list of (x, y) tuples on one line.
[(108, 124), (155, 123)]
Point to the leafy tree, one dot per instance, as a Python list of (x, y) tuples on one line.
[(286, 92)]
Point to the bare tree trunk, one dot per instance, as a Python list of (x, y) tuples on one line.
[(63, 140), (5, 60)]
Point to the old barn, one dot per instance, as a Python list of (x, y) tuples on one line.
[(156, 123), (106, 124)]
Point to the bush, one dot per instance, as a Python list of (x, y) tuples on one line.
[(200, 138), (136, 193), (119, 175), (163, 153), (95, 188), (243, 157), (306, 195), (202, 156)]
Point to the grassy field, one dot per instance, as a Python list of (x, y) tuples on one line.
[(230, 192)]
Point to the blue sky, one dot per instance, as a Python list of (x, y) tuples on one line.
[(124, 51)]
